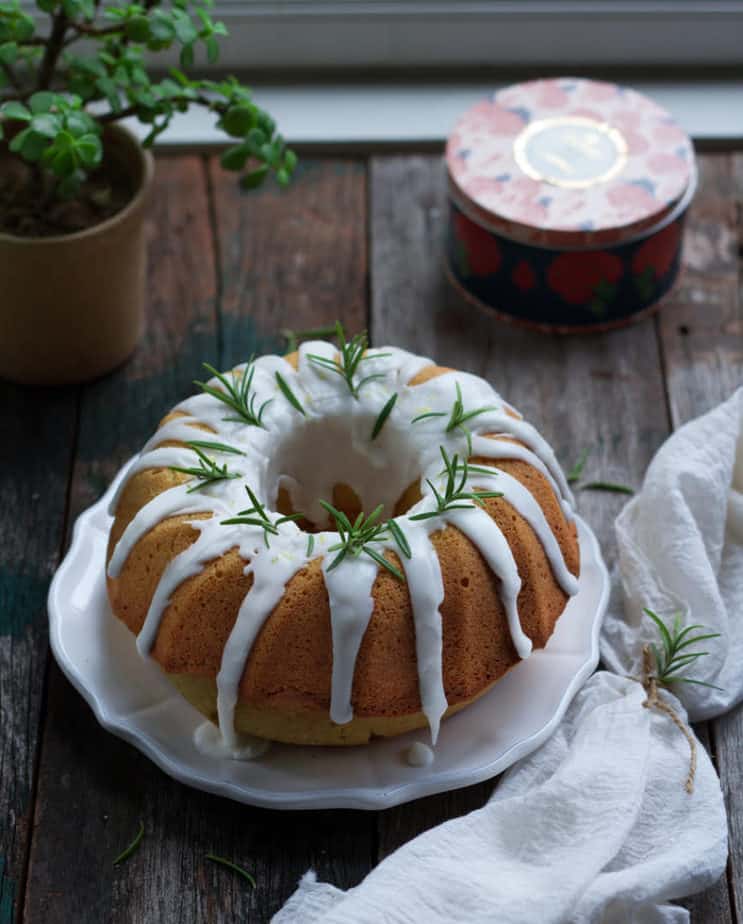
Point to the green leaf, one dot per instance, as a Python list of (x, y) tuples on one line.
[(162, 28), (46, 6), (238, 120), (212, 49), (138, 29), (187, 56), (290, 161), (282, 177), (15, 110), (8, 52), (255, 178), (235, 158), (30, 145), (90, 149), (47, 124)]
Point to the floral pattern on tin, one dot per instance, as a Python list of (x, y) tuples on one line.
[(657, 171), (655, 258), (586, 279)]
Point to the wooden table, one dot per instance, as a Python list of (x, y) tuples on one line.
[(359, 240)]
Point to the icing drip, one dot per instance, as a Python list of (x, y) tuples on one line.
[(271, 570), (494, 548), (522, 500), (210, 544), (419, 755), (307, 453), (426, 589), (173, 502), (210, 742), (349, 589)]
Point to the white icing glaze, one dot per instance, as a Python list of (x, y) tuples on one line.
[(419, 755), (210, 742), (308, 454)]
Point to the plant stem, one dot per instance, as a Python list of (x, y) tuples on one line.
[(11, 75), (53, 50)]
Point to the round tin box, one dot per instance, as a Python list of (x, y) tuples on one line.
[(566, 203)]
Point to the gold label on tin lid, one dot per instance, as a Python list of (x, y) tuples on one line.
[(570, 151)]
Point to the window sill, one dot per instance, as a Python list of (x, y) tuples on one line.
[(405, 115)]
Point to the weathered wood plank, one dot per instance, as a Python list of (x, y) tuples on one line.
[(93, 789), (294, 259), (604, 392), (37, 433), (291, 258), (91, 783), (701, 336)]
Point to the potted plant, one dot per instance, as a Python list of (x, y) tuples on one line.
[(74, 183)]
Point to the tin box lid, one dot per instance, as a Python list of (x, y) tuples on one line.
[(568, 161)]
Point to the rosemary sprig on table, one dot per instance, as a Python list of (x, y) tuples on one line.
[(237, 394), (207, 471), (357, 537), (675, 656), (576, 472), (228, 864), (458, 416), (610, 486), (293, 338), (289, 394), (383, 415), (257, 516), (352, 353), (132, 847), (455, 489)]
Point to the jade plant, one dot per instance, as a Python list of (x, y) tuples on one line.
[(63, 83)]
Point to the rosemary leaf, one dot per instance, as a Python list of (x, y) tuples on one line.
[(670, 663), (132, 848), (295, 337), (216, 447), (607, 486), (383, 415), (385, 563), (228, 864), (289, 394), (310, 544), (399, 536), (577, 470)]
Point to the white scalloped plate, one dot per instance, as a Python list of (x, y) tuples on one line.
[(132, 699)]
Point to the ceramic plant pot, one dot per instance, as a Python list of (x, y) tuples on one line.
[(72, 306)]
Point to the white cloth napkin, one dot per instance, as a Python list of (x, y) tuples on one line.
[(596, 826)]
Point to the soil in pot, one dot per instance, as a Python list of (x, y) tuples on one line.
[(29, 208)]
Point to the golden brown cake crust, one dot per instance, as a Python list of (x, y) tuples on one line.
[(285, 689)]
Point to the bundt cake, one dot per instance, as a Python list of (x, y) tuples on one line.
[(340, 543)]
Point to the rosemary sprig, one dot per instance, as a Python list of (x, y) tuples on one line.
[(577, 470), (206, 472), (458, 416), (358, 536), (228, 864), (237, 395), (216, 447), (257, 516), (294, 337), (576, 473), (131, 848), (607, 486), (455, 489), (383, 415), (352, 354), (670, 661), (289, 394)]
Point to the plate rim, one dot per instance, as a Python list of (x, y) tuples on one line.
[(364, 798)]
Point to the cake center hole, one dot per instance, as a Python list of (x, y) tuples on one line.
[(334, 459)]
